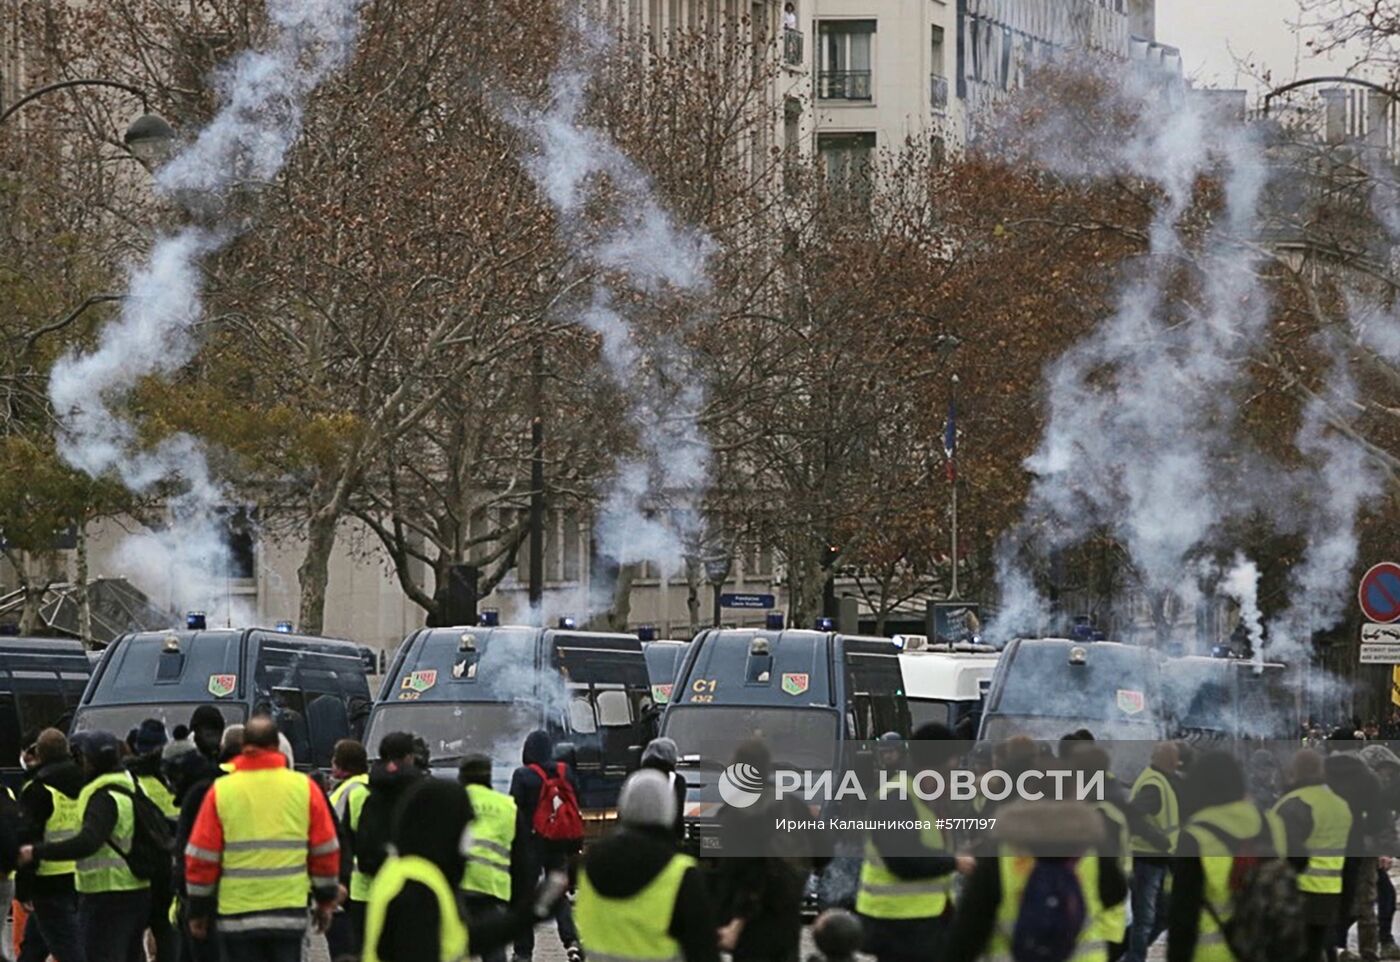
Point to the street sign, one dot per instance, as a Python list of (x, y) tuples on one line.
[(748, 601), (1380, 654), (1379, 593), (1373, 634)]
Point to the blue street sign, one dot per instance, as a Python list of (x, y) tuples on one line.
[(747, 601)]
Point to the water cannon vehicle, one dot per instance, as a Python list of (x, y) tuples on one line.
[(483, 688), (812, 697), (317, 689)]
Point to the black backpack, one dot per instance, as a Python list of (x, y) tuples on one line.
[(152, 839), (1266, 908)]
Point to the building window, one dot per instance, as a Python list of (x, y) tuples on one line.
[(239, 528), (845, 68), (847, 160)]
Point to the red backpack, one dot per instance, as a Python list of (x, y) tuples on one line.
[(557, 816)]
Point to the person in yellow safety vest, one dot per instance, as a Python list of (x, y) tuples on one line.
[(904, 894), (1226, 822), (264, 840), (146, 743), (350, 769), (486, 881), (1088, 758), (1155, 812), (639, 899), (414, 914), (115, 904), (48, 805), (1317, 823), (1058, 838)]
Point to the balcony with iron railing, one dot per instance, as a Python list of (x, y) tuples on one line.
[(843, 85), (792, 47), (938, 92)]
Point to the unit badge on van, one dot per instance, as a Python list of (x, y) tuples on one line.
[(420, 681), (661, 694), (795, 683), (1130, 702), (222, 685)]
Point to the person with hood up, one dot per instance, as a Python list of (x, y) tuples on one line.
[(369, 819), (1033, 844), (540, 855), (638, 897), (663, 755), (190, 768), (1348, 773), (414, 914), (115, 903), (49, 812)]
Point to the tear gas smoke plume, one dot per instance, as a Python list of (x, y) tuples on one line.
[(261, 95), (650, 507), (1141, 437)]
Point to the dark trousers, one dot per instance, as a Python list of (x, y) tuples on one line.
[(53, 929), (907, 940), (1150, 907), (165, 935), (113, 924), (549, 860), (479, 905), (1385, 906), (340, 937), (1316, 942), (260, 948)]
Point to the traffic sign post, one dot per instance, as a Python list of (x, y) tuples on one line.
[(1379, 593), (1380, 644)]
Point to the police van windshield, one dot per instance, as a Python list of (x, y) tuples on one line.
[(1116, 683), (798, 738), (453, 730), (120, 719)]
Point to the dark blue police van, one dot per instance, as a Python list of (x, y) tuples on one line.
[(41, 683), (807, 695), (483, 689), (317, 689), (663, 659)]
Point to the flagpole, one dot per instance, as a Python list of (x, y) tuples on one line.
[(953, 592)]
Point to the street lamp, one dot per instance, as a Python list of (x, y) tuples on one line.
[(149, 138), (717, 571)]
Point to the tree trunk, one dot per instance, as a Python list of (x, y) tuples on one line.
[(622, 598), (84, 600), (806, 582), (692, 593), (314, 572)]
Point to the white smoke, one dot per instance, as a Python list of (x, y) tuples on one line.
[(1241, 583), (1142, 436), (261, 95), (650, 509)]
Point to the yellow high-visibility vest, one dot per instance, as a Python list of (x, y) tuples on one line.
[(266, 817), (396, 872), (64, 822), (1113, 920), (158, 792), (884, 895), (105, 870), (493, 833), (1327, 844), (1167, 818), (1241, 820), (635, 928), (359, 881)]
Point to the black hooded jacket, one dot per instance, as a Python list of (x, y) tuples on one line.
[(525, 783), (427, 821), (625, 862), (387, 785), (35, 807)]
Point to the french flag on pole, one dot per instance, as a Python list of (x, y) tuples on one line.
[(950, 439)]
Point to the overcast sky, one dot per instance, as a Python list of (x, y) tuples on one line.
[(1213, 34)]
